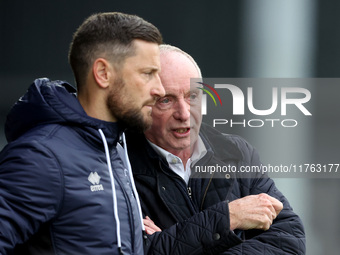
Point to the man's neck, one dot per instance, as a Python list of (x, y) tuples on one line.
[(194, 152), (184, 155), (94, 107)]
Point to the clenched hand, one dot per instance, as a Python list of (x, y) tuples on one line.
[(254, 212)]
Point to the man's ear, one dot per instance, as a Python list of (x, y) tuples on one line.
[(103, 72)]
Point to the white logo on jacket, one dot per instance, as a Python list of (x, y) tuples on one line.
[(94, 178)]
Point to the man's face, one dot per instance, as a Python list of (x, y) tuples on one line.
[(137, 86), (176, 116)]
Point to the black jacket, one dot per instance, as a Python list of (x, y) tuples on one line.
[(56, 187), (180, 211)]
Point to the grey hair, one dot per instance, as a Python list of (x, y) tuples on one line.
[(164, 48)]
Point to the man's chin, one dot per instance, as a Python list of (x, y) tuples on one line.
[(136, 122), (141, 125)]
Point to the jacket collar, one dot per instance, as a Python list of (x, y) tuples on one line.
[(219, 144), (55, 102)]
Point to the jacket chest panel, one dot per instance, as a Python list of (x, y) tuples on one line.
[(87, 206)]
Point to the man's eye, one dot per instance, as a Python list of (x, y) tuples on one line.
[(164, 100), (193, 96), (164, 103)]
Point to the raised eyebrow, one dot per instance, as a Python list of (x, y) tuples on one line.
[(169, 95), (194, 90)]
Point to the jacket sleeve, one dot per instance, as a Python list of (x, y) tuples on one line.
[(206, 232), (286, 235), (30, 192)]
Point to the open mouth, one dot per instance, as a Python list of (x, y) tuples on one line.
[(182, 130)]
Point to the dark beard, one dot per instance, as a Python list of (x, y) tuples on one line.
[(131, 118)]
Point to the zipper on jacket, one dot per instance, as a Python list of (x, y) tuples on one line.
[(205, 193), (189, 192), (184, 188), (129, 208)]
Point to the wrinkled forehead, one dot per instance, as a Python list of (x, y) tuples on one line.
[(177, 71), (178, 90)]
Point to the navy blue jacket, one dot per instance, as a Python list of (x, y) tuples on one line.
[(167, 200), (56, 189)]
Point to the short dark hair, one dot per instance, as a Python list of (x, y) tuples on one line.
[(108, 35)]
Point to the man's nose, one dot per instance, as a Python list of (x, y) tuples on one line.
[(182, 110)]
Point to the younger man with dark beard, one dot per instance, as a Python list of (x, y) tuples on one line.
[(65, 185)]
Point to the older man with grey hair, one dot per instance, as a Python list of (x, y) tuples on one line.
[(188, 214)]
